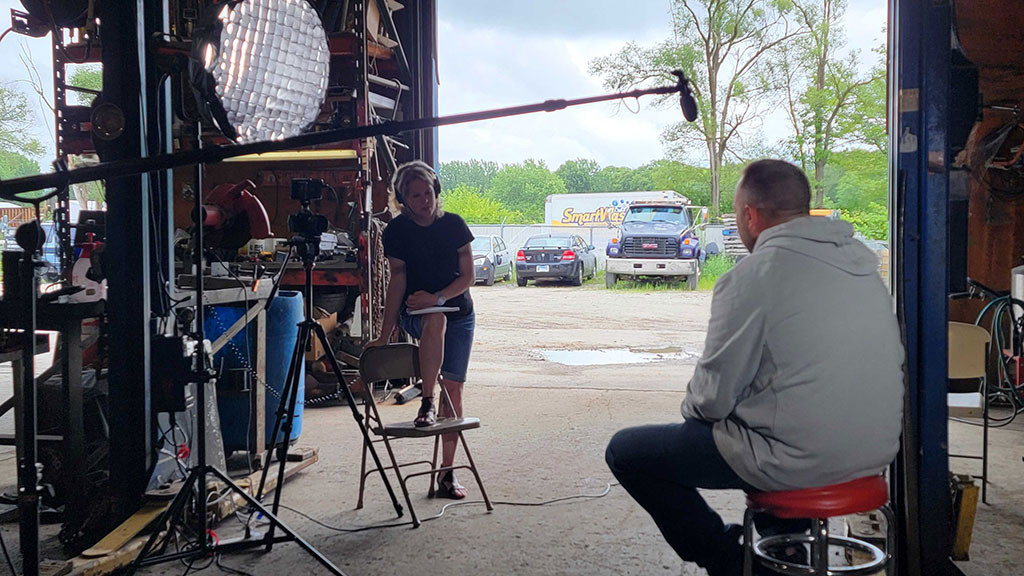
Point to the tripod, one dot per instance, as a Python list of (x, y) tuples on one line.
[(196, 478), (307, 244)]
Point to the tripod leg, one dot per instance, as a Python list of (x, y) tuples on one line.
[(355, 414), (275, 521), (283, 424), (288, 400), (293, 370), (175, 510)]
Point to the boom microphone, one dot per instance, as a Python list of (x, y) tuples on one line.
[(686, 99)]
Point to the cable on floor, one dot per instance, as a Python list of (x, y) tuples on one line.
[(444, 509)]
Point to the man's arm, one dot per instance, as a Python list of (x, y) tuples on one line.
[(732, 350)]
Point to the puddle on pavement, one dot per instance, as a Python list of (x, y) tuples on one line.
[(605, 356)]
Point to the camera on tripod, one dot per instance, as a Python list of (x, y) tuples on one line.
[(305, 223)]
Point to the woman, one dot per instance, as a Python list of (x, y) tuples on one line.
[(431, 266)]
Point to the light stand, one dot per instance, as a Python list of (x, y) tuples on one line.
[(307, 229), (197, 475)]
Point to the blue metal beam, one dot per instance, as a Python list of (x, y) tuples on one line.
[(923, 51)]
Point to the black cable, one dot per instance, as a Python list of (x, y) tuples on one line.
[(5, 33), (229, 569), (3, 545), (608, 488)]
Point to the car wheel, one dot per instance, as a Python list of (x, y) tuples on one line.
[(693, 281), (610, 279), (520, 281), (577, 280), (489, 281)]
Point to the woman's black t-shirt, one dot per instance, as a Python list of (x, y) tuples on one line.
[(431, 254)]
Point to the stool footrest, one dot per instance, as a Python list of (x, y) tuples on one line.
[(761, 547)]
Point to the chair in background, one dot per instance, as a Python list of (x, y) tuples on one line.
[(395, 362), (968, 351)]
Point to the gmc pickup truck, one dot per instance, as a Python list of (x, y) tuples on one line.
[(658, 239)]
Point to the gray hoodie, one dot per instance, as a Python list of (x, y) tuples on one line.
[(802, 372)]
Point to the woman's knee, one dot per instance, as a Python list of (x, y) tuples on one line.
[(434, 323)]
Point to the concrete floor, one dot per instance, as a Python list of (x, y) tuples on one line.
[(544, 430)]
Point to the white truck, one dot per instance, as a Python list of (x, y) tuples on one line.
[(599, 208)]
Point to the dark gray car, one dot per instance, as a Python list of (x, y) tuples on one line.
[(556, 257), (491, 260)]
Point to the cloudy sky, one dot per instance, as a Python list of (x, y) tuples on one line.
[(497, 53)]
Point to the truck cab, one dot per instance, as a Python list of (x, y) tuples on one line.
[(658, 239)]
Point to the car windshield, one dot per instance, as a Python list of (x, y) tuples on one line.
[(481, 244), (673, 214), (548, 242)]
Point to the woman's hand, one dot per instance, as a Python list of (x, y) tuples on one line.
[(420, 300)]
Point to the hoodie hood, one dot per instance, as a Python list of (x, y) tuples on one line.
[(830, 241)]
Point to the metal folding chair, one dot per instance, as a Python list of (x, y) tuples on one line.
[(399, 361)]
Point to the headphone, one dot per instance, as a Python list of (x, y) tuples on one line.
[(410, 170)]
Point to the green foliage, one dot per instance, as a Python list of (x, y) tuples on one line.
[(89, 77), (871, 221), (578, 175), (858, 178), (524, 188), (17, 123), (474, 208), (714, 267), (14, 165), (474, 173)]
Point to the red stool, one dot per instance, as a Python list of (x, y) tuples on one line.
[(818, 505)]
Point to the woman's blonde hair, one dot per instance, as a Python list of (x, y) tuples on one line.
[(416, 169)]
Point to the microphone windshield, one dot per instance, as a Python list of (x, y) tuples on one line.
[(686, 99)]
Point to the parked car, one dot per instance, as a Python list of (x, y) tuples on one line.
[(556, 257), (491, 260)]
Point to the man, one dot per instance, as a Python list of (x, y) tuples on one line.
[(801, 380)]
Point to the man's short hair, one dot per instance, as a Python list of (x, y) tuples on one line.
[(777, 188)]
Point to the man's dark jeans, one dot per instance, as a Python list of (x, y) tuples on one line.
[(662, 466)]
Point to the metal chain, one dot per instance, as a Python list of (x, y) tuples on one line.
[(378, 284)]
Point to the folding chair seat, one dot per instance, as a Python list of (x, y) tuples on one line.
[(393, 362), (968, 351)]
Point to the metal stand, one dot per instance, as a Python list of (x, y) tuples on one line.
[(28, 472), (308, 247), (197, 475)]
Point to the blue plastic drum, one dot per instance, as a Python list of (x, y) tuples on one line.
[(282, 319)]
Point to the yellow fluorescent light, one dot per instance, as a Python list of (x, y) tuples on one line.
[(296, 156)]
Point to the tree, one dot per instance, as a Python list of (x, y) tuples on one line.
[(87, 77), (474, 173), (721, 44), (474, 208), (821, 88), (524, 188), (17, 124), (14, 165), (578, 175)]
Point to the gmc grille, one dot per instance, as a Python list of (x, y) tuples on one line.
[(650, 247)]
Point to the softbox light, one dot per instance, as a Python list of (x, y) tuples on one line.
[(260, 68)]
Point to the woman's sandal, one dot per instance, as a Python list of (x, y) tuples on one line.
[(449, 487), (427, 415)]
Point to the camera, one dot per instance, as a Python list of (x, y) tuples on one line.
[(305, 223), (306, 190)]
